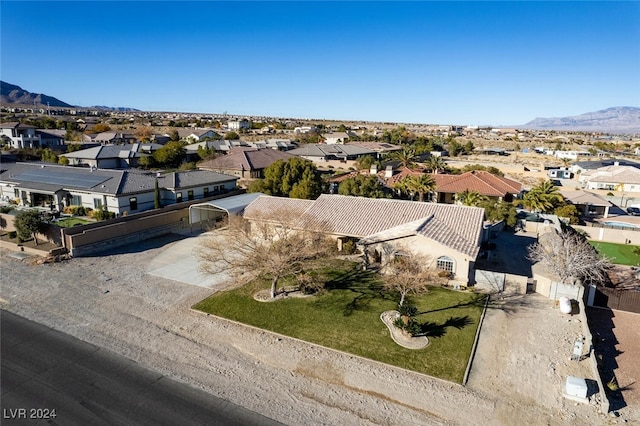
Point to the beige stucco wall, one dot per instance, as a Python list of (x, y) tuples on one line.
[(433, 249)]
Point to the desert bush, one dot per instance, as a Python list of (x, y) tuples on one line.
[(12, 234), (102, 215), (6, 209), (349, 247)]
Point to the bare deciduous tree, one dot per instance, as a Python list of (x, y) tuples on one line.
[(569, 256), (408, 274), (267, 246)]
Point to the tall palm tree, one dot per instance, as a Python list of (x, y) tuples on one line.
[(421, 185), (543, 197), (436, 164), (406, 157), (470, 198)]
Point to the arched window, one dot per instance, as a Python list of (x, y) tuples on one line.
[(445, 263)]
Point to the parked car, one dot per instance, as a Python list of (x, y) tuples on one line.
[(634, 211)]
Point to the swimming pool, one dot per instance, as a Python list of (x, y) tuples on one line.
[(619, 224)]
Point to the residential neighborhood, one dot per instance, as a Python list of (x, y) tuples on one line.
[(320, 213)]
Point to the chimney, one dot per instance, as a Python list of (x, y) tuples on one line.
[(388, 172), (373, 170)]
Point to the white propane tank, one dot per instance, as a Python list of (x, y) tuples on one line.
[(565, 305)]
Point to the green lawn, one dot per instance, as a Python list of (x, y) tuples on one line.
[(71, 221), (621, 254), (347, 318)]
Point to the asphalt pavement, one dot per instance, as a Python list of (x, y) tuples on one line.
[(48, 377)]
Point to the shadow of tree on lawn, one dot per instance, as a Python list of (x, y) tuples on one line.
[(365, 286), (432, 329)]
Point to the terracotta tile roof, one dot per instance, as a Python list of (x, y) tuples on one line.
[(458, 227), (480, 181), (400, 175)]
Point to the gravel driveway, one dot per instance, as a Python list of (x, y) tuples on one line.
[(112, 301)]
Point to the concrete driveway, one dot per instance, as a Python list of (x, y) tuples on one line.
[(179, 262)]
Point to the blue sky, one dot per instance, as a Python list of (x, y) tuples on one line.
[(469, 63)]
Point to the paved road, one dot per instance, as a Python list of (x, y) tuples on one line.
[(44, 370)]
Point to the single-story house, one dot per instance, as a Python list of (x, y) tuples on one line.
[(114, 138), (487, 184), (245, 163), (450, 235), (322, 152), (197, 135), (118, 191), (335, 137), (380, 148), (588, 203), (612, 178)]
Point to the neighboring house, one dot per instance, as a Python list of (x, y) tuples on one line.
[(278, 144), (18, 135), (305, 129), (560, 173), (237, 125), (322, 152), (197, 135), (588, 203), (450, 235), (380, 148), (111, 156), (219, 146), (117, 191), (336, 137), (583, 166), (52, 138), (114, 138), (482, 182), (245, 163), (612, 178)]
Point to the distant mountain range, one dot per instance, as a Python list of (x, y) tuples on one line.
[(610, 120), (15, 95), (10, 94), (620, 120)]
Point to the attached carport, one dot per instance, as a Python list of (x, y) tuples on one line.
[(216, 210)]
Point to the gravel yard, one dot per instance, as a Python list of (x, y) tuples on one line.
[(112, 301)]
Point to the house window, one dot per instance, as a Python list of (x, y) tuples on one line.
[(445, 263), (97, 203), (205, 192), (133, 203), (178, 197), (76, 200), (190, 195)]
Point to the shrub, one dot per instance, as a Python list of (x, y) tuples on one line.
[(349, 247), (102, 215), (78, 210), (13, 234), (6, 209)]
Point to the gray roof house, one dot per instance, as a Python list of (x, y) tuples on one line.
[(449, 234), (111, 156), (324, 152), (117, 191)]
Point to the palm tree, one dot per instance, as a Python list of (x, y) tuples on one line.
[(406, 157), (421, 185), (470, 198), (543, 198), (436, 164)]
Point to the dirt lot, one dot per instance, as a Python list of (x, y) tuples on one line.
[(618, 335), (112, 301)]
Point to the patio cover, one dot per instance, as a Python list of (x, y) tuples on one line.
[(217, 208)]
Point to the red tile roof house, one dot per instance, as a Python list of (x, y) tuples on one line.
[(449, 234), (485, 183), (245, 163)]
